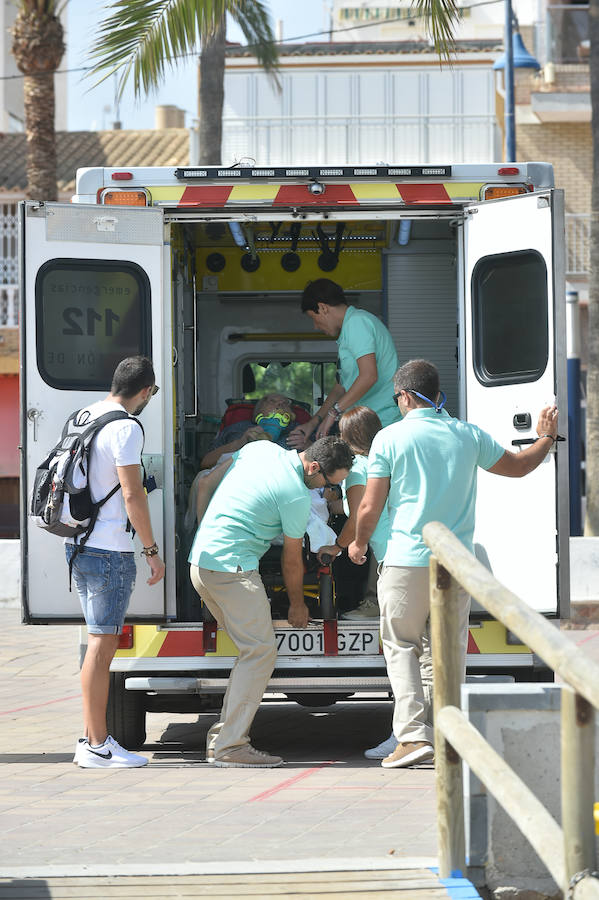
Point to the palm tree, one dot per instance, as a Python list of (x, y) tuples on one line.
[(38, 47), (141, 36)]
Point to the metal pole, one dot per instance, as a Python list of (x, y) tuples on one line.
[(574, 427), (509, 117)]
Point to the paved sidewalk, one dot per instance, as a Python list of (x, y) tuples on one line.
[(327, 802)]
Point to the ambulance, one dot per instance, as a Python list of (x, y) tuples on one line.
[(202, 269)]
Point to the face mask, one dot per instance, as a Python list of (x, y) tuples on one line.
[(274, 423)]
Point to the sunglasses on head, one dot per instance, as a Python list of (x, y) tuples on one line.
[(436, 406)]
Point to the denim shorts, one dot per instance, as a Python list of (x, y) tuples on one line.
[(104, 580)]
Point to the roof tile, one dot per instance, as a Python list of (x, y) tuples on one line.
[(77, 149)]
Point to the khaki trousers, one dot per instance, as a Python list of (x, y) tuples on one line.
[(403, 593), (238, 602)]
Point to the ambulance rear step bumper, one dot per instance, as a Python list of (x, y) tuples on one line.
[(365, 684)]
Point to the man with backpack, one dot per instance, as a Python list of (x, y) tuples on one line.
[(103, 570)]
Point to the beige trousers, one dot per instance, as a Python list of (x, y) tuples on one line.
[(238, 602), (403, 593)]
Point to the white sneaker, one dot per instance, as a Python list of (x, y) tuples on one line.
[(368, 609), (110, 755), (383, 749), (78, 747)]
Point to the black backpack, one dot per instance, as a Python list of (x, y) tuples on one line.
[(61, 501)]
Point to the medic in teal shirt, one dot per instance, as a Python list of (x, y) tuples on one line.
[(367, 360)]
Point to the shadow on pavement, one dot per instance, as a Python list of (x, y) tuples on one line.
[(20, 888)]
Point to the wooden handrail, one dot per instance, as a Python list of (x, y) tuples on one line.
[(533, 629), (529, 814), (569, 851)]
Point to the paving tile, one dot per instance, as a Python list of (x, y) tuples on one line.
[(179, 808)]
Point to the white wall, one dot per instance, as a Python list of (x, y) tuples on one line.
[(479, 22), (348, 114)]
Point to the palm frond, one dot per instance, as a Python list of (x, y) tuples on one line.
[(441, 18), (141, 37), (254, 20)]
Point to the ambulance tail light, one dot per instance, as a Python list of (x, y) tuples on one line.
[(126, 638), (496, 191), (139, 197)]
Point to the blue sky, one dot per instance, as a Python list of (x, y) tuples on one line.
[(93, 108)]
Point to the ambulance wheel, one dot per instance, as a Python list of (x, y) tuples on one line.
[(126, 714), (317, 699)]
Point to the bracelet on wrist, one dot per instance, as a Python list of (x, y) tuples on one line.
[(553, 439), (338, 545), (150, 551)]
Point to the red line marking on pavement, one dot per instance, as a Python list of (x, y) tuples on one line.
[(589, 638), (7, 712), (285, 784), (382, 787)]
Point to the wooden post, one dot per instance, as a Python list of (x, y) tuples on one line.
[(578, 783), (447, 678)]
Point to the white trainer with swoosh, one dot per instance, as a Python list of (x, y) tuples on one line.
[(109, 755)]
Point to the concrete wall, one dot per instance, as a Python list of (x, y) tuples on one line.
[(10, 566), (522, 723), (584, 569)]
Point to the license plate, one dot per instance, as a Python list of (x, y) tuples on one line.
[(310, 642)]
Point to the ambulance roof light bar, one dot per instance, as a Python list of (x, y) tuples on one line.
[(314, 173)]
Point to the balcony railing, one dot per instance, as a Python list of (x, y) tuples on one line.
[(9, 305), (342, 140)]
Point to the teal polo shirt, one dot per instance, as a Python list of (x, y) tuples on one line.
[(261, 495), (358, 474), (431, 460), (362, 334)]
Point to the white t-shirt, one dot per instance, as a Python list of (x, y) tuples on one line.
[(119, 443)]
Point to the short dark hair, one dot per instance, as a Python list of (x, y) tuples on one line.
[(331, 453), (322, 290), (418, 375), (131, 376), (358, 427)]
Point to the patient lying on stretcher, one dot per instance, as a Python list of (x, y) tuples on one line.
[(271, 419)]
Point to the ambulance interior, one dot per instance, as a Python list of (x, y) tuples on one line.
[(241, 333)]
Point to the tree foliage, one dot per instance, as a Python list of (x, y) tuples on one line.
[(141, 37)]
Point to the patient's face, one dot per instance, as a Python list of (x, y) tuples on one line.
[(273, 403)]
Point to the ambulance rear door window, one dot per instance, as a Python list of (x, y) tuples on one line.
[(90, 315), (510, 318)]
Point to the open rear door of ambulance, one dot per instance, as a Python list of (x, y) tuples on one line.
[(514, 343), (92, 289)]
